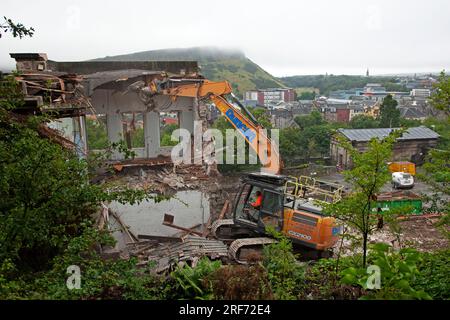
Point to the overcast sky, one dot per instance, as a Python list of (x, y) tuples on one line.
[(284, 37)]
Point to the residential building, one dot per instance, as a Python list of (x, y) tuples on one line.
[(412, 113), (420, 93), (266, 97)]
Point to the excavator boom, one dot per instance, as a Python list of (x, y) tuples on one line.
[(250, 129)]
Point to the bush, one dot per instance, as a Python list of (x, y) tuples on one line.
[(241, 283), (397, 270), (194, 283), (286, 275), (434, 270), (100, 278)]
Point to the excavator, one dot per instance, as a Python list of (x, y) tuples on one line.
[(289, 205)]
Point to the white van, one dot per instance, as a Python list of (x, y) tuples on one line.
[(402, 180)]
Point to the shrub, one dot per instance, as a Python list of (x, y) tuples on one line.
[(286, 275), (241, 283), (194, 283), (397, 271), (434, 270)]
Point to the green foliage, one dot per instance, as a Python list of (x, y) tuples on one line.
[(434, 268), (17, 29), (389, 114), (310, 139), (441, 126), (367, 176), (194, 283), (44, 194), (440, 99), (307, 95), (97, 134), (409, 123), (262, 117), (322, 281), (397, 271), (362, 121), (241, 282), (11, 95), (312, 119), (284, 273), (100, 278), (328, 83), (166, 135)]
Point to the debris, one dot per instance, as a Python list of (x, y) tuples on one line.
[(159, 238), (191, 249), (168, 221), (127, 230), (118, 167), (224, 209)]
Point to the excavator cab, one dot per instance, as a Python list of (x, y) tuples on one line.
[(285, 207), (269, 212)]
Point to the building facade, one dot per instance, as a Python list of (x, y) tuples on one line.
[(412, 146), (267, 97)]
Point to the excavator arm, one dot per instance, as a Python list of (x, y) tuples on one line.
[(247, 126)]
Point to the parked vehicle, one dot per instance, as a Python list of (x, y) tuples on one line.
[(402, 166), (396, 199), (402, 180)]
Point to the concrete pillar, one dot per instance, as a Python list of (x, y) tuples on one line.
[(152, 134), (115, 134), (79, 135), (187, 120)]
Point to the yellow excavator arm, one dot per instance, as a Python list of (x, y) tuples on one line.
[(250, 129)]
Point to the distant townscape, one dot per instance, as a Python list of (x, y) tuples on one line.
[(283, 104)]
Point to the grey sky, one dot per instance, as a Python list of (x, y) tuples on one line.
[(284, 37)]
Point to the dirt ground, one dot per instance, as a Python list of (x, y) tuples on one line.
[(419, 232)]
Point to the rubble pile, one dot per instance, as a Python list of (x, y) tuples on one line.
[(166, 255)]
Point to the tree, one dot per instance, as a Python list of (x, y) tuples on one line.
[(17, 29), (440, 99), (362, 121), (307, 95), (436, 168), (369, 173), (312, 119), (389, 114), (166, 135)]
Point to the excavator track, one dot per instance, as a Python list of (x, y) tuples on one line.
[(218, 224), (236, 246), (242, 242)]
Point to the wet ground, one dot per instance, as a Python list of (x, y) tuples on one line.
[(420, 187)]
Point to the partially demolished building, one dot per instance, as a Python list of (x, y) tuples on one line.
[(101, 89)]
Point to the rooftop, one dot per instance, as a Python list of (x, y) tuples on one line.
[(362, 135)]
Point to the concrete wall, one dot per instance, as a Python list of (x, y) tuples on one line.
[(89, 67), (73, 129)]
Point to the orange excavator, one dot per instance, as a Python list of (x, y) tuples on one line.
[(287, 203)]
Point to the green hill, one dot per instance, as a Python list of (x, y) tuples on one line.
[(327, 83), (215, 64)]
